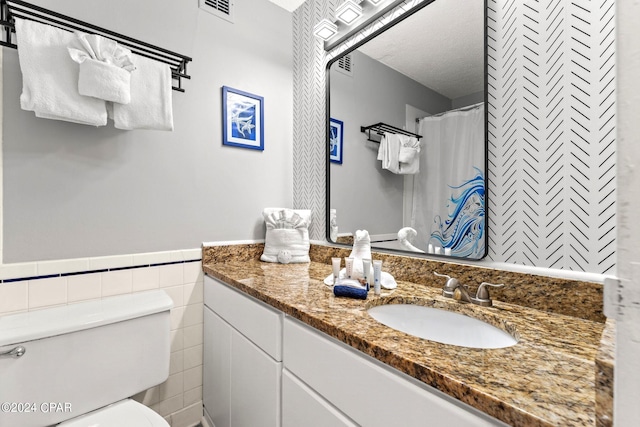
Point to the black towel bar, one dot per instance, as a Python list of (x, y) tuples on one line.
[(382, 128)]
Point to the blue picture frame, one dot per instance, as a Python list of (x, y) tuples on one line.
[(336, 138), (242, 119)]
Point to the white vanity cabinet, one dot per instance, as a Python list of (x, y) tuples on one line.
[(367, 391), (262, 368), (242, 372)]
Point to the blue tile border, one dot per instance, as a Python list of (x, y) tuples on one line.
[(48, 276), (103, 270)]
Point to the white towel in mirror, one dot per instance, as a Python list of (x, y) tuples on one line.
[(389, 151), (399, 154), (409, 156)]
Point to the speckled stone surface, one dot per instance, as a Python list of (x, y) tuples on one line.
[(605, 364), (216, 254), (547, 379), (569, 297)]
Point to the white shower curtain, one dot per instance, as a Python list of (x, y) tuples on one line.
[(448, 208)]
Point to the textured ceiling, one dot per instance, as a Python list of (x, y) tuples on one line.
[(440, 46)]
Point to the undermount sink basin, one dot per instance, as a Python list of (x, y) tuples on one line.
[(442, 326)]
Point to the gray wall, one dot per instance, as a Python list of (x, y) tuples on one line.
[(76, 191), (364, 195), (471, 99)]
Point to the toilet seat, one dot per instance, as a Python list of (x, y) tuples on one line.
[(125, 413)]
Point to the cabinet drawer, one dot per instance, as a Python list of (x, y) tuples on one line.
[(367, 391), (255, 320), (301, 406)]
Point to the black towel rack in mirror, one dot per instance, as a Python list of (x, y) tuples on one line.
[(21, 9), (382, 128)]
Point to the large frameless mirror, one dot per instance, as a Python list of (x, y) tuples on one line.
[(407, 134)]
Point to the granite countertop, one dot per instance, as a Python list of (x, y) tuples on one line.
[(547, 379)]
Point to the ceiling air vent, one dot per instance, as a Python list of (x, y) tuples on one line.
[(220, 8), (345, 65)]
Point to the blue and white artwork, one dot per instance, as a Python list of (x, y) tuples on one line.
[(335, 140), (464, 229), (242, 119)]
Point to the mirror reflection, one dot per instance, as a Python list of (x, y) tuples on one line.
[(407, 135)]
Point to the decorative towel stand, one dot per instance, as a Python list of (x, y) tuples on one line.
[(382, 128), (20, 9)]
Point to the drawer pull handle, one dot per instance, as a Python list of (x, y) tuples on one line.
[(16, 352)]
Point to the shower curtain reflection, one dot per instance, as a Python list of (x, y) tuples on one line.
[(448, 200)]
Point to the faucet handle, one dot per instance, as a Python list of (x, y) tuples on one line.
[(450, 286), (451, 281), (483, 292)]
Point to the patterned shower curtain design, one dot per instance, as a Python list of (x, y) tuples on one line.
[(449, 192)]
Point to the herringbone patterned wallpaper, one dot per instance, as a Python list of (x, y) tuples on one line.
[(552, 151)]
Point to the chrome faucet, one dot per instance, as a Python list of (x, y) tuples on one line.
[(459, 292), (450, 286)]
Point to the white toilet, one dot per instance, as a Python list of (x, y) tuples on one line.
[(78, 364)]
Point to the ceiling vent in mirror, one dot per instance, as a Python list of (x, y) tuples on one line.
[(344, 65), (220, 8)]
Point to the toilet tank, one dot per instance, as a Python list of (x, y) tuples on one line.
[(81, 357)]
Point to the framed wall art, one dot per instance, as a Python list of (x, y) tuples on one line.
[(242, 119), (335, 139)]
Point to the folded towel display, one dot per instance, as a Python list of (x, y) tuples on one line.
[(409, 155), (399, 153), (362, 250), (150, 106), (287, 236), (50, 77), (105, 67), (406, 236)]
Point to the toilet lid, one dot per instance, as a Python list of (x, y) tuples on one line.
[(126, 413)]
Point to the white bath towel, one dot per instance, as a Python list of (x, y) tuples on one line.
[(105, 67), (287, 235), (150, 106), (50, 77)]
